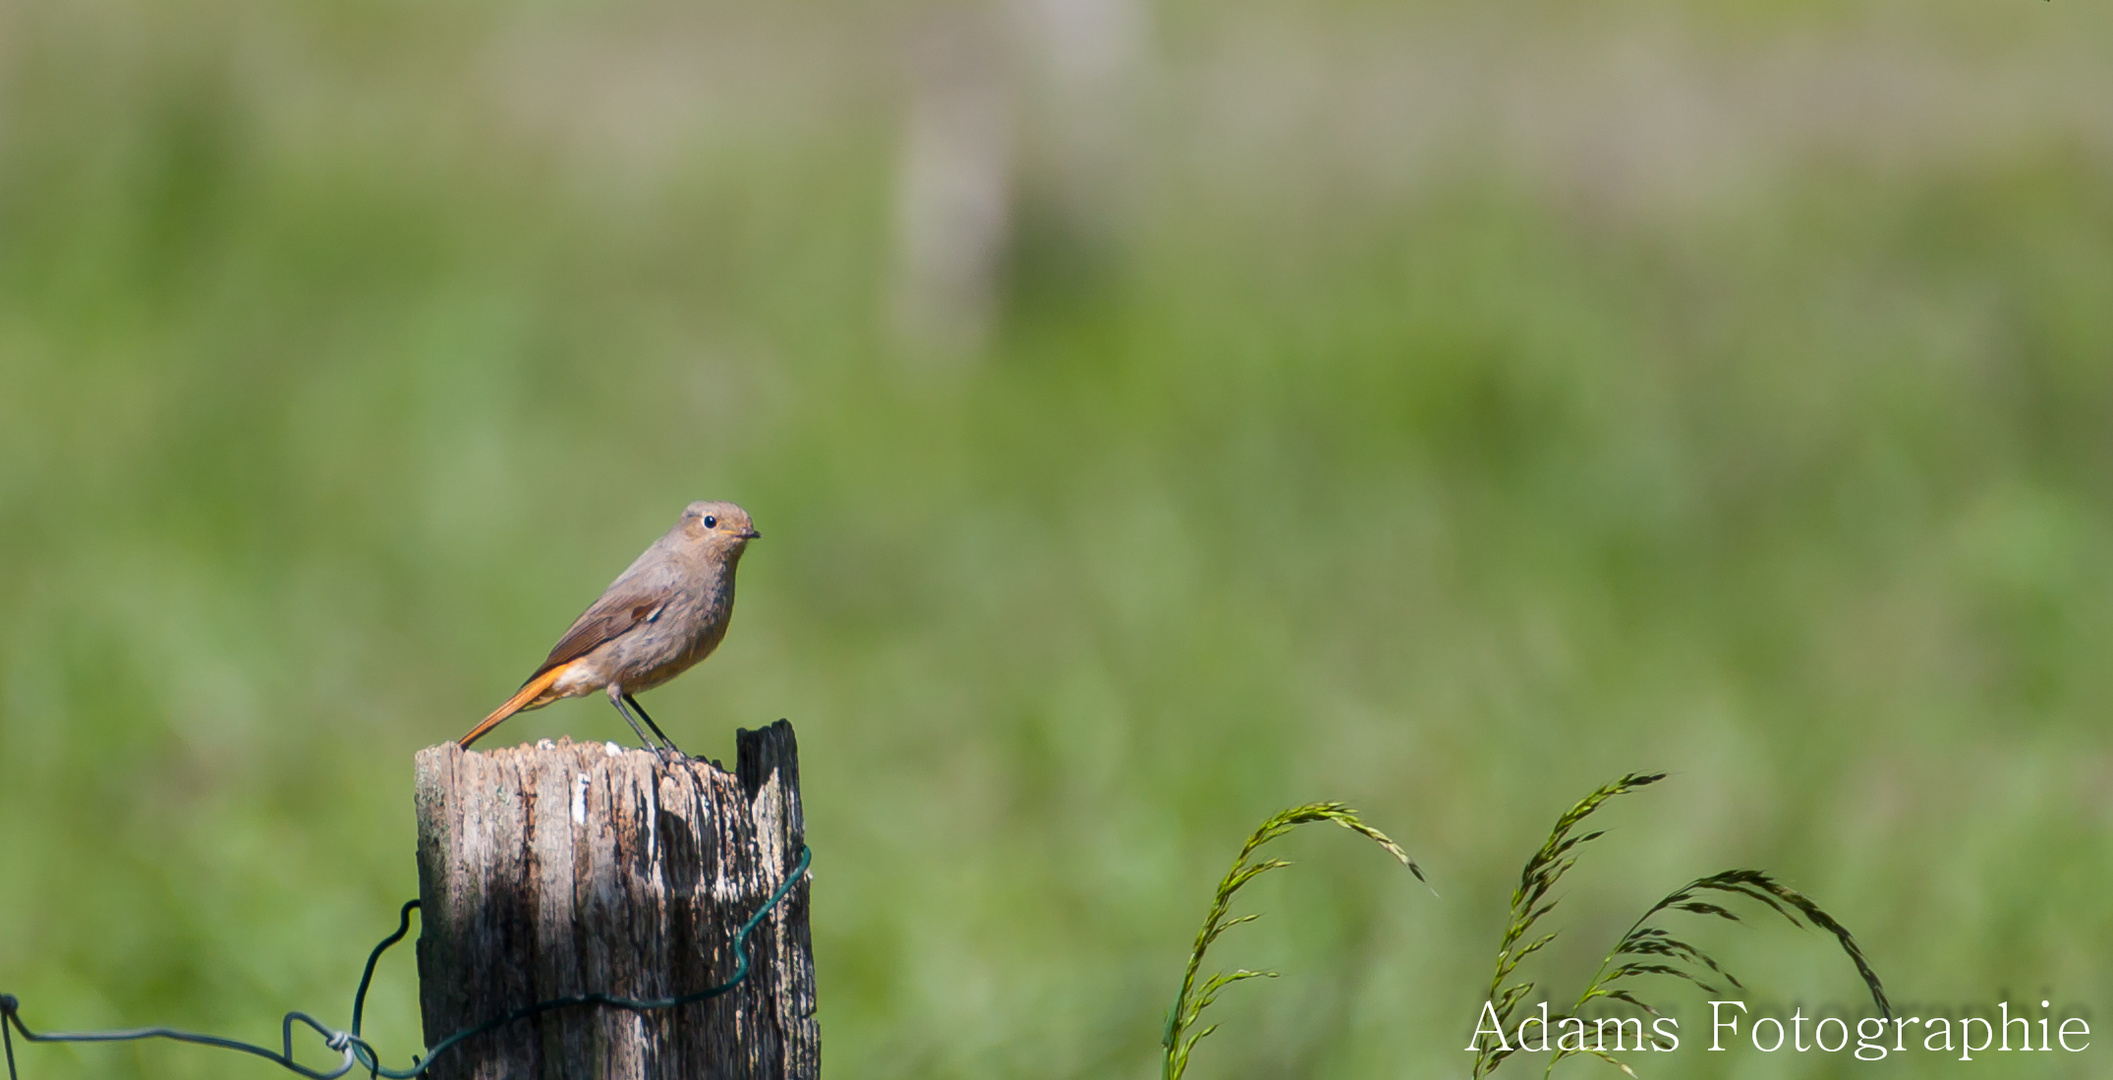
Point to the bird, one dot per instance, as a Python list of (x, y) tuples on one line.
[(662, 615)]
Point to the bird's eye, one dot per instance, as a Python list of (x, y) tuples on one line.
[(711, 522)]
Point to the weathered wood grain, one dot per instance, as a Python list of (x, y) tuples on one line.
[(566, 868)]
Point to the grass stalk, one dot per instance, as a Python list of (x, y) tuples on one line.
[(1646, 948), (1181, 1035)]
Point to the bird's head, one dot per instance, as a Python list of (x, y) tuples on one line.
[(718, 526)]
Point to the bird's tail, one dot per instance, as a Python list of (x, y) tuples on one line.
[(529, 692)]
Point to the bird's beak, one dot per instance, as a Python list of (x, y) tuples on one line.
[(750, 535)]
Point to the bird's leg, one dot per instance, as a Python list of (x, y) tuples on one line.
[(641, 709), (616, 698)]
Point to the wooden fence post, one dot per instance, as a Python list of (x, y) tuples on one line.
[(567, 868)]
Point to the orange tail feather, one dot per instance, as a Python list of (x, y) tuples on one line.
[(514, 704)]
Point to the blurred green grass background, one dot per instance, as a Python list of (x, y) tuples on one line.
[(1158, 415)]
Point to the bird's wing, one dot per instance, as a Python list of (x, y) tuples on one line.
[(611, 616)]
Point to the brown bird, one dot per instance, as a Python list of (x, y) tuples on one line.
[(665, 613)]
